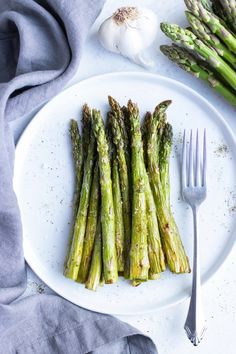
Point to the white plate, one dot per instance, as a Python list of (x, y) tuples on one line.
[(44, 186)]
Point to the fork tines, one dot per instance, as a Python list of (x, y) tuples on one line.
[(193, 161)]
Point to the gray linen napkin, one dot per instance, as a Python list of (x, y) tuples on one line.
[(40, 48)]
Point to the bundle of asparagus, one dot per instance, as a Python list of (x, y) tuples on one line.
[(123, 222), (209, 45)]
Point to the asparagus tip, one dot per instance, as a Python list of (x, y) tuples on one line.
[(161, 107), (132, 107), (86, 109), (113, 103)]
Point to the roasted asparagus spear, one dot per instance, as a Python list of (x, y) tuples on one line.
[(107, 206), (118, 210), (124, 184), (139, 262), (77, 151), (75, 255), (95, 271), (90, 227), (172, 245)]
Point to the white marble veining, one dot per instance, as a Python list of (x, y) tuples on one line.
[(165, 327)]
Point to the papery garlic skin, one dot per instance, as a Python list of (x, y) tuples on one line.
[(129, 31)]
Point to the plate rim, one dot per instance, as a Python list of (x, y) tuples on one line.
[(144, 75)]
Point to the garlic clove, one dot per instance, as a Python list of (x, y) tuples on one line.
[(109, 35), (130, 42)]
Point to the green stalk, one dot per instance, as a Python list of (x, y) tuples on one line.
[(144, 131), (164, 161), (75, 255), (190, 41), (207, 4), (86, 128), (119, 222), (139, 262), (171, 241), (126, 123), (90, 227), (95, 272), (189, 63), (218, 10), (213, 22), (160, 129), (107, 207), (118, 141), (119, 114), (229, 9), (155, 252), (77, 151), (203, 32)]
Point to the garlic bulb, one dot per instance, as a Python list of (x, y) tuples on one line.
[(129, 31)]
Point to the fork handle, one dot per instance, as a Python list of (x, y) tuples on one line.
[(195, 322)]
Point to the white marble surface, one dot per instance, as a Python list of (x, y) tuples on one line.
[(165, 327)]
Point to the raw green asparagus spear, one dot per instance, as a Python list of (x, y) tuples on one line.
[(164, 161), (229, 9), (171, 242), (204, 33), (207, 4), (95, 271), (90, 227), (190, 41), (124, 186), (107, 207), (218, 10), (139, 262), (119, 222), (215, 7), (77, 150), (213, 22), (189, 63), (75, 255)]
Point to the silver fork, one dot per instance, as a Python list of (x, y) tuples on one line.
[(194, 192)]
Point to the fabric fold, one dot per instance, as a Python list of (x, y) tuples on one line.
[(80, 331)]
